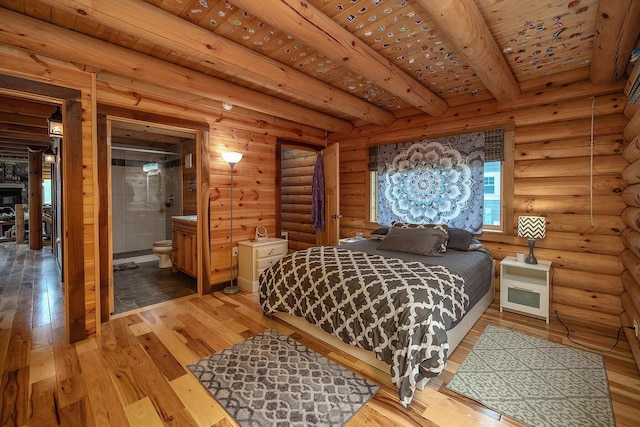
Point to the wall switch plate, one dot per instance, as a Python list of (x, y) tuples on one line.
[(235, 251)]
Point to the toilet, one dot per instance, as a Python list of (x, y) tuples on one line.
[(162, 249)]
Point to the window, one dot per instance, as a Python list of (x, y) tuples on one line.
[(492, 195), (489, 185), (496, 195), (46, 191)]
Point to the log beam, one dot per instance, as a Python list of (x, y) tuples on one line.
[(631, 152), (167, 30), (316, 29), (632, 130), (462, 22), (50, 40), (617, 30)]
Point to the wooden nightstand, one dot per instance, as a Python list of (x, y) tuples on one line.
[(524, 288), (256, 255)]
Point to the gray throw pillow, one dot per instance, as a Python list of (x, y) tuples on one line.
[(459, 239), (420, 241), (442, 227)]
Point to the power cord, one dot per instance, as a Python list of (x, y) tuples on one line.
[(597, 350)]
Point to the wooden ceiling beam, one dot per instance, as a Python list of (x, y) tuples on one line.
[(25, 107), (50, 40), (21, 119), (467, 30), (157, 26), (13, 141), (617, 29), (27, 130), (11, 148), (304, 22), (20, 136)]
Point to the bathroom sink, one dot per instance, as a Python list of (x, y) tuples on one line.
[(186, 217)]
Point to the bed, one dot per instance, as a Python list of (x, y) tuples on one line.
[(407, 310)]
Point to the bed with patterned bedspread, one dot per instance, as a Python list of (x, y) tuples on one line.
[(399, 309)]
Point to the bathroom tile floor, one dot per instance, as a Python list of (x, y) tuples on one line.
[(149, 285)]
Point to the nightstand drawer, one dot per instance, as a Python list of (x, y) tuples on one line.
[(270, 251), (524, 297), (266, 262)]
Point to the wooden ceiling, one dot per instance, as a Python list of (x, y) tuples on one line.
[(335, 64)]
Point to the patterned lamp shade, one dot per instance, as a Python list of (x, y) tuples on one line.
[(532, 227)]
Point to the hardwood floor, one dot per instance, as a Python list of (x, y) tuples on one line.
[(134, 373)]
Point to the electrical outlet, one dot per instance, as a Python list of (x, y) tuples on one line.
[(235, 251), (635, 327)]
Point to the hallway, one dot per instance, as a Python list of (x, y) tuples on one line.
[(32, 327)]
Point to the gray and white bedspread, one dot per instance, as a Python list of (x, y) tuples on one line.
[(399, 310)]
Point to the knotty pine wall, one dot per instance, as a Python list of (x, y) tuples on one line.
[(550, 124), (254, 192), (297, 167)]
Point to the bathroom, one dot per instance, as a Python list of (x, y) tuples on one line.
[(147, 191)]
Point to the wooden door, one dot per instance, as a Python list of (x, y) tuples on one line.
[(331, 234)]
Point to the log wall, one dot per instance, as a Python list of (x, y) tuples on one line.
[(551, 125), (631, 235), (296, 177)]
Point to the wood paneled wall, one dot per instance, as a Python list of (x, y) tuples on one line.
[(254, 192), (551, 177), (297, 173)]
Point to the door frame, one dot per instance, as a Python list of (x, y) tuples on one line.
[(107, 115), (73, 273), (331, 235)]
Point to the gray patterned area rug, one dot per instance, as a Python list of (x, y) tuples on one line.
[(535, 381), (272, 380)]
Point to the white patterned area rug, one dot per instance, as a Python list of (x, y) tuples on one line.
[(273, 380), (535, 381)]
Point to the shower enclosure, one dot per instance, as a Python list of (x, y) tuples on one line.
[(146, 193)]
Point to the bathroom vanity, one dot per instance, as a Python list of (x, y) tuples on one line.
[(185, 244)]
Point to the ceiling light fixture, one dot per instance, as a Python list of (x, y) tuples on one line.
[(227, 105)]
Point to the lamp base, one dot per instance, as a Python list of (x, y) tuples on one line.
[(531, 259), (231, 289)]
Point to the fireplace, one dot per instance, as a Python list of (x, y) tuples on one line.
[(11, 194)]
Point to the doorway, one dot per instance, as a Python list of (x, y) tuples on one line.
[(150, 187), (296, 169)]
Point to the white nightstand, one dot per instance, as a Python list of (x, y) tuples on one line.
[(525, 287), (256, 255)]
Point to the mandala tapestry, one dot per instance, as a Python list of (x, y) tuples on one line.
[(433, 181)]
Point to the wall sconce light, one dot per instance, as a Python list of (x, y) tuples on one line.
[(49, 156), (55, 124), (227, 105)]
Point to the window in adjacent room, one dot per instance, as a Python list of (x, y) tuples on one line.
[(492, 194)]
